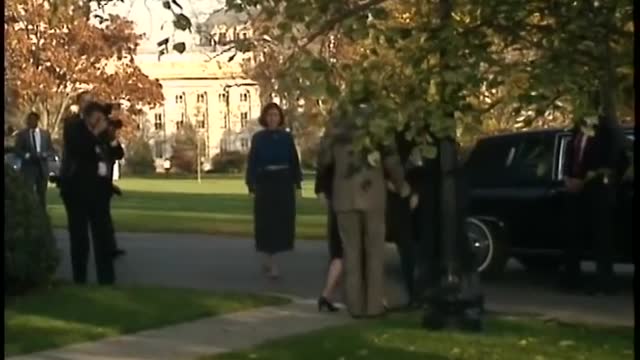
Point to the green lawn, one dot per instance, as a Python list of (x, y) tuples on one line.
[(401, 338), (67, 315), (219, 205)]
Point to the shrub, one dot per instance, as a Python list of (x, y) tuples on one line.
[(229, 162), (139, 157), (30, 253)]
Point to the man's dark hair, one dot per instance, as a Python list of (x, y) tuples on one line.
[(81, 94), (93, 107), (33, 115)]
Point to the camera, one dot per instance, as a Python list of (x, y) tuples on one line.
[(116, 124)]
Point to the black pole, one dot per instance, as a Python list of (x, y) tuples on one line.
[(458, 301)]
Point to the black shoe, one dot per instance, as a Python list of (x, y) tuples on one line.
[(323, 303), (118, 253)]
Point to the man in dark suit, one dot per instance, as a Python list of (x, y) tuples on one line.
[(34, 147), (592, 160), (86, 190)]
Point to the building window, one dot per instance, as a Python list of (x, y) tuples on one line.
[(244, 97), (200, 123), (222, 97), (223, 39), (225, 121), (159, 149), (244, 143), (157, 122), (179, 99), (244, 119), (180, 123), (244, 35), (200, 98)]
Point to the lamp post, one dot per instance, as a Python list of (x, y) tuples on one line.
[(457, 301)]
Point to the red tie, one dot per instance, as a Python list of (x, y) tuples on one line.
[(578, 152)]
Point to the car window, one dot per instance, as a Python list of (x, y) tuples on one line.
[(488, 161), (532, 160)]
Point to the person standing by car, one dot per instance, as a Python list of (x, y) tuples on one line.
[(33, 147), (273, 177), (592, 160)]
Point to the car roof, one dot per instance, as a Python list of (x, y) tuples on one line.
[(547, 132)]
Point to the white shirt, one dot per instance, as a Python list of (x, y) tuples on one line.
[(38, 138)]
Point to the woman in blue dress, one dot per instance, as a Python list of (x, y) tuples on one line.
[(273, 178)]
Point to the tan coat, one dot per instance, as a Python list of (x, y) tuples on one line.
[(357, 184)]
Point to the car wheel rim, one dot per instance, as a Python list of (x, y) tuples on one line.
[(482, 245)]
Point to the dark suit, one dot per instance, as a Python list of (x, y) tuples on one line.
[(35, 166), (86, 194), (323, 185), (590, 209), (401, 226), (111, 155)]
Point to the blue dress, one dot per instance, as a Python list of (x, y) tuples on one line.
[(273, 174)]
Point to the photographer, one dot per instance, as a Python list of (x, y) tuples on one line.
[(86, 191), (112, 152)]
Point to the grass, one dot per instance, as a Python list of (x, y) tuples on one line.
[(401, 338), (219, 205), (66, 315)]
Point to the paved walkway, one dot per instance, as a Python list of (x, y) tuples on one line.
[(206, 262), (209, 336)]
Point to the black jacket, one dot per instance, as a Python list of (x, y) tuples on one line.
[(603, 150)]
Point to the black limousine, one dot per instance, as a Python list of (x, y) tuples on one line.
[(517, 191)]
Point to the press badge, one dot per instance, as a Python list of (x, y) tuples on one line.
[(102, 169)]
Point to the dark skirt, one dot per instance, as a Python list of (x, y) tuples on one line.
[(335, 243), (274, 212), (399, 219)]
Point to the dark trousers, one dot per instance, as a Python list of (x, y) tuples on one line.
[(111, 227), (400, 230), (82, 213), (590, 226), (427, 245), (35, 176)]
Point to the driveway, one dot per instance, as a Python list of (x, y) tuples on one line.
[(216, 263)]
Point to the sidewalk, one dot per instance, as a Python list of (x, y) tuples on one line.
[(207, 336)]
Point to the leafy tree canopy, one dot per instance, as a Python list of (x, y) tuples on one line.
[(57, 48), (429, 66)]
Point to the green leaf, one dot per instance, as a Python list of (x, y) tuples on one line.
[(284, 27), (379, 13)]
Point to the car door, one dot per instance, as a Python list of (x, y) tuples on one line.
[(529, 170)]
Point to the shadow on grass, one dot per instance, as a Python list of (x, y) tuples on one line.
[(66, 315)]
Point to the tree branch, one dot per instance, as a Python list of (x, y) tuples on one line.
[(332, 22)]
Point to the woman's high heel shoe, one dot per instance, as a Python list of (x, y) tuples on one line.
[(324, 303)]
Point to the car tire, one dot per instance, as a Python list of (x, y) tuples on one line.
[(540, 264), (489, 246)]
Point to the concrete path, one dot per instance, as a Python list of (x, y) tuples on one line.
[(206, 262), (209, 336)]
